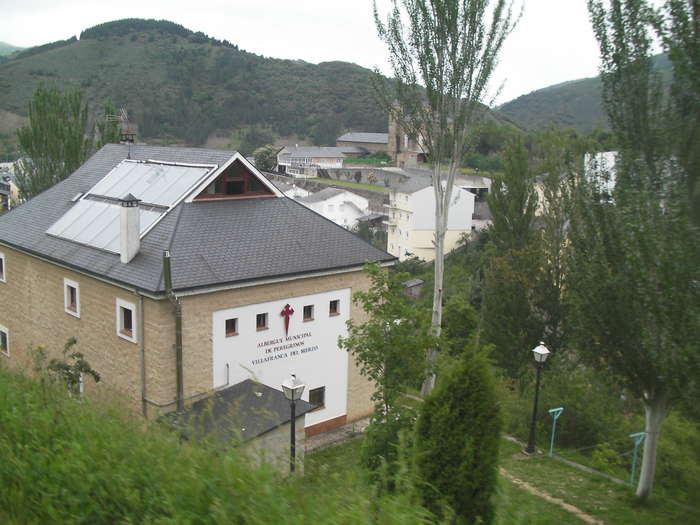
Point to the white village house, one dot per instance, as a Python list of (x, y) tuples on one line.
[(411, 219), (340, 206), (305, 162)]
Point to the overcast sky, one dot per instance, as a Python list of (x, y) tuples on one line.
[(553, 42)]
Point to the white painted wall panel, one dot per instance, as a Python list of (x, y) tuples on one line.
[(310, 350)]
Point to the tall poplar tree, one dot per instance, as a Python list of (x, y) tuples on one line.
[(442, 53), (635, 263), (55, 142)]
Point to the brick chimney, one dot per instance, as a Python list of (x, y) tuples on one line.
[(129, 228)]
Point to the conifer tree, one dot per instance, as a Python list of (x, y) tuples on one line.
[(55, 142)]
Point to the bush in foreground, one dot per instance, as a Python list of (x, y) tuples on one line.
[(63, 461), (457, 440)]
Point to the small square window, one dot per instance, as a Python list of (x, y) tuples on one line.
[(71, 297), (2, 268), (334, 307), (4, 341), (261, 322), (309, 312), (317, 396), (231, 327), (126, 327)]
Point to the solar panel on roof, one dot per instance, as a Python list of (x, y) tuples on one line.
[(94, 221), (151, 182)]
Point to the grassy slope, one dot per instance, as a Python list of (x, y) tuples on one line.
[(67, 462), (604, 500)]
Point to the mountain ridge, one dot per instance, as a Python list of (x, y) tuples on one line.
[(573, 103), (183, 86)]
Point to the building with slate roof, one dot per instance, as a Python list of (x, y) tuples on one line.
[(340, 206), (369, 142), (251, 415), (306, 162), (182, 272), (411, 218)]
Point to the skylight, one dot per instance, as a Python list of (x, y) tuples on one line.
[(94, 218)]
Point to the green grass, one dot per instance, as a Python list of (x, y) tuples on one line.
[(340, 466), (334, 182), (594, 495), (67, 462), (613, 504)]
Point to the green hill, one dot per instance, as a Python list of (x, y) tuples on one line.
[(7, 49), (575, 104), (182, 86)]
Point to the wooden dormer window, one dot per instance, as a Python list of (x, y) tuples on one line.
[(235, 182)]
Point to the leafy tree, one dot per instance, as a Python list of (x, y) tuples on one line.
[(266, 157), (70, 373), (442, 54), (679, 26), (390, 345), (509, 320), (389, 348), (254, 138), (461, 325), (457, 437), (636, 254), (513, 201), (55, 142)]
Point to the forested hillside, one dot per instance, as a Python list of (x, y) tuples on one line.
[(182, 86), (575, 104)]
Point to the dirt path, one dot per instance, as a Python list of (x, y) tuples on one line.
[(540, 494)]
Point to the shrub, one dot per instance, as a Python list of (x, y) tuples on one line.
[(381, 440), (68, 462), (457, 438), (678, 463), (606, 459), (594, 410)]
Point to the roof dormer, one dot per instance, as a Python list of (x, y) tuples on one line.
[(236, 181)]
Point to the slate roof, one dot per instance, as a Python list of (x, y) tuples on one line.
[(211, 243), (243, 412), (315, 151), (325, 193), (367, 138), (414, 183)]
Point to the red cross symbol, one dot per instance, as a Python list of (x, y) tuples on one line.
[(286, 313)]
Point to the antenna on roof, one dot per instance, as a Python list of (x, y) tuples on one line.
[(126, 134)]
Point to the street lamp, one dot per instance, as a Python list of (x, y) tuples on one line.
[(541, 353), (292, 388)]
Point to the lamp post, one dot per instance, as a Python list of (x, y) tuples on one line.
[(292, 388), (541, 353)]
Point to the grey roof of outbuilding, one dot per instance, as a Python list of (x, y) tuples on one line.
[(211, 243), (243, 412), (367, 138), (325, 193), (414, 183), (315, 151)]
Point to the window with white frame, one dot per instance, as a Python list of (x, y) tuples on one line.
[(71, 297), (4, 341), (126, 320), (3, 268)]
